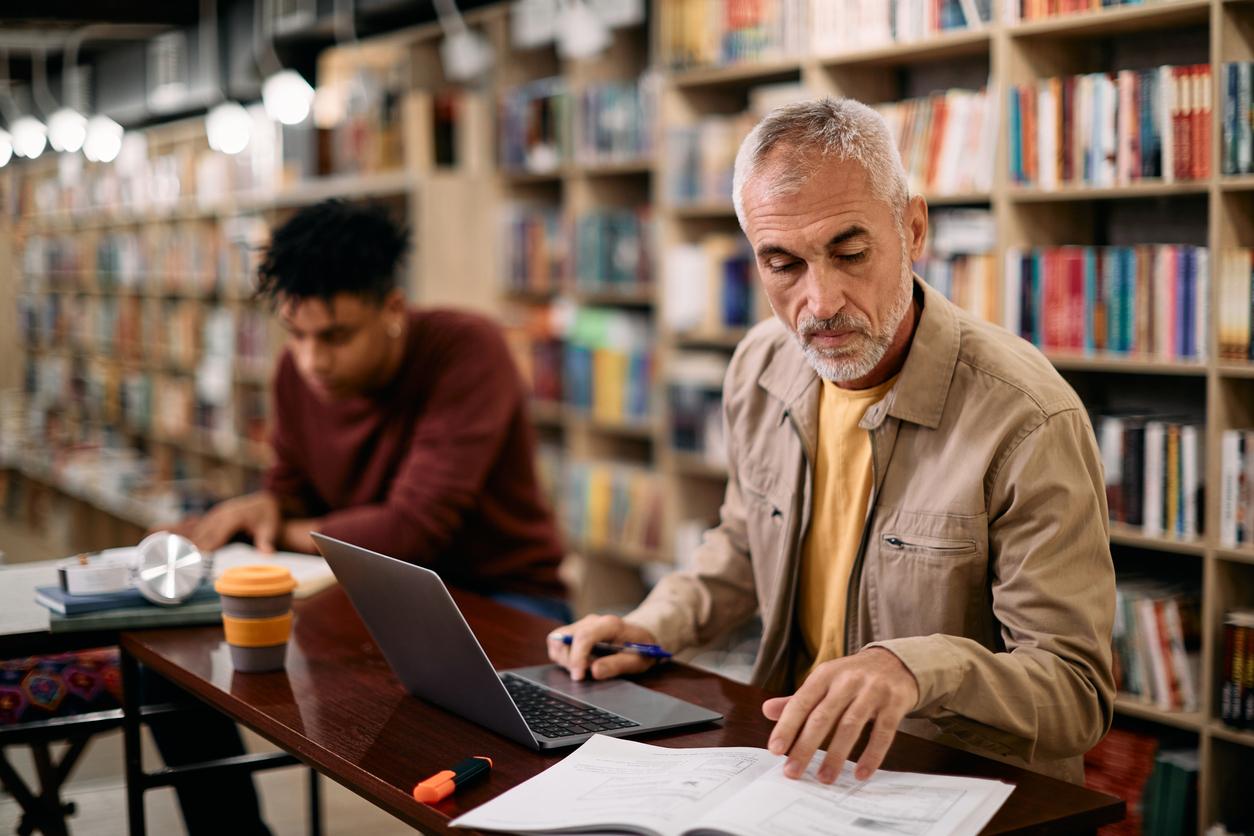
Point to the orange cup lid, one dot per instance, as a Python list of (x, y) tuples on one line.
[(255, 581)]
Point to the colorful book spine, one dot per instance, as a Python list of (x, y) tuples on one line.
[(946, 140), (1155, 473), (614, 251), (1149, 300), (703, 33), (535, 127), (616, 122), (535, 252), (1236, 488), (1236, 304), (1237, 685), (613, 507), (1157, 643), (1112, 129)]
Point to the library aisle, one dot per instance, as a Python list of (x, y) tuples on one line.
[(565, 167)]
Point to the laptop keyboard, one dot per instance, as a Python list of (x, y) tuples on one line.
[(550, 714)]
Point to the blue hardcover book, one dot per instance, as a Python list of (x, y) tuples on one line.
[(1189, 294), (1230, 119), (1127, 291), (1182, 305), (59, 601), (1016, 138)]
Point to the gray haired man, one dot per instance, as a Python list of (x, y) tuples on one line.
[(915, 504)]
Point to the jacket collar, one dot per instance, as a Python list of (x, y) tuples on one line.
[(922, 385)]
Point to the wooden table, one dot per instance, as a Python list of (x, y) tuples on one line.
[(339, 708)]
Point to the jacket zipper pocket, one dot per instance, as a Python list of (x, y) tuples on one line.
[(937, 545)]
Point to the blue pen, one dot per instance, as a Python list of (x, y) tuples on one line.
[(650, 651)]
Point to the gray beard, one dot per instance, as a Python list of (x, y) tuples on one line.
[(866, 350)]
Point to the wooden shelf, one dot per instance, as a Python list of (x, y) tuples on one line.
[(1027, 194), (745, 74), (611, 169), (621, 554), (545, 412), (531, 297), (1236, 555), (696, 465), (955, 44), (1237, 183), (1235, 368), (958, 198), (727, 338), (1125, 535), (638, 297), (639, 430), (702, 211), (528, 178), (1130, 706), (1244, 737), (1166, 14), (1068, 361)]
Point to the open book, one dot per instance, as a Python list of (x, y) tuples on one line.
[(614, 784)]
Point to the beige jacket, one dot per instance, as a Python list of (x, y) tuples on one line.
[(985, 561)]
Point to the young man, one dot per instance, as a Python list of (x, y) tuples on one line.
[(915, 504), (403, 431)]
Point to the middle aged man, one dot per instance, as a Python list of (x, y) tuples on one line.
[(915, 503)]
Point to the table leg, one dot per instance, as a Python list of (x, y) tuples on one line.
[(315, 804), (133, 745)]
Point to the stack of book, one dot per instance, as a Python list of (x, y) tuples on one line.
[(535, 127), (1170, 804), (617, 122), (859, 24), (534, 334), (129, 608), (959, 260), (709, 286), (946, 140), (1237, 688), (608, 365), (1108, 129), (694, 394), (1120, 765), (614, 251), (1236, 304), (1148, 300), (702, 33), (613, 506), (535, 248), (1157, 643), (1155, 473), (1236, 486)]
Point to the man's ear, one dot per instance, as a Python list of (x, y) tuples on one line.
[(916, 226)]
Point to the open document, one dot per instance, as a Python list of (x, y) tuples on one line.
[(612, 784)]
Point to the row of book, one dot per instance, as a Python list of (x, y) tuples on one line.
[(710, 286), (613, 507), (1157, 643), (861, 24), (1148, 300), (1235, 281), (694, 395), (1236, 91), (1236, 487), (1120, 765), (543, 126), (700, 158), (166, 332), (1236, 700), (703, 33), (1155, 472), (1029, 10), (613, 250), (608, 365), (946, 140), (1108, 129)]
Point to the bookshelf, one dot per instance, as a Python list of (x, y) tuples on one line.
[(468, 203)]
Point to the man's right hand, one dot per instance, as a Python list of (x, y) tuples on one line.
[(256, 515), (577, 656)]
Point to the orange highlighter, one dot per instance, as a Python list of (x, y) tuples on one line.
[(442, 784)]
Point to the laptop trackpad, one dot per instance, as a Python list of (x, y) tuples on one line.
[(635, 702)]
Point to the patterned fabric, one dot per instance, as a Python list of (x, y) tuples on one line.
[(42, 687)]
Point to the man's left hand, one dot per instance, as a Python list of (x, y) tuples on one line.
[(843, 695)]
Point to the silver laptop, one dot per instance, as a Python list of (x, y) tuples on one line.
[(433, 652)]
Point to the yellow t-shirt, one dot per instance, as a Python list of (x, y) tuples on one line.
[(842, 487)]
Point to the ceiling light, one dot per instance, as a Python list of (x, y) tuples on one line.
[(6, 148), (67, 129), (580, 31), (287, 97), (103, 140), (29, 137), (466, 55), (229, 128)]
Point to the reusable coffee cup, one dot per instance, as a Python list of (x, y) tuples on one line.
[(257, 615)]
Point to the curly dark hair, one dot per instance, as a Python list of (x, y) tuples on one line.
[(330, 248)]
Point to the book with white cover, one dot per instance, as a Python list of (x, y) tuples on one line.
[(615, 784)]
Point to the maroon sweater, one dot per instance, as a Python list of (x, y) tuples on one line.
[(437, 469)]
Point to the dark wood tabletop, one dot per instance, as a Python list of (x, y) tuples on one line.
[(339, 708)]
